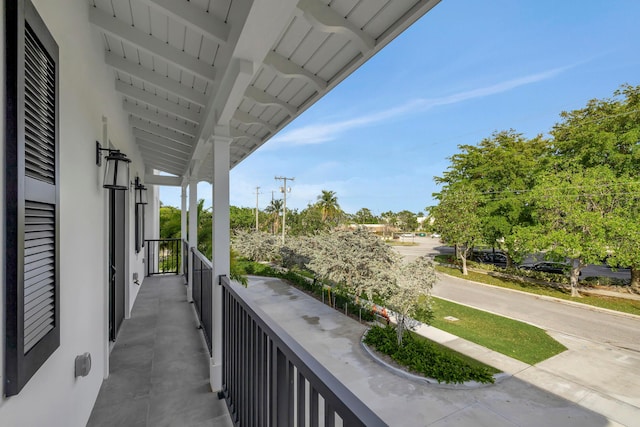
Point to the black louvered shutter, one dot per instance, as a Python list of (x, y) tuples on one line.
[(32, 195)]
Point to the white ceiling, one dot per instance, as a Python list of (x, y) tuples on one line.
[(188, 70)]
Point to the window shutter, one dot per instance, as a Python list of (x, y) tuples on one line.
[(32, 195)]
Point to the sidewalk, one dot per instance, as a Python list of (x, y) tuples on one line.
[(550, 393)]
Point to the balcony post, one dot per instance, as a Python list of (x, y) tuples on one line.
[(183, 220), (221, 246), (193, 229)]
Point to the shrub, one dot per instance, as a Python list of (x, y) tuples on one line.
[(427, 358)]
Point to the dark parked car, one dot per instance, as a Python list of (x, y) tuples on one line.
[(497, 258), (548, 267)]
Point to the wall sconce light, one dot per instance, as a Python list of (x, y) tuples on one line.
[(116, 174), (140, 192)]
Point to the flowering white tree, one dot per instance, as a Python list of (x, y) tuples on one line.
[(411, 289), (256, 246), (357, 260)]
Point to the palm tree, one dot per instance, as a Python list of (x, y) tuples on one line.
[(328, 203), (274, 209)]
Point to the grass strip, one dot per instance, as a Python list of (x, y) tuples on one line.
[(612, 303), (510, 337), (425, 357)]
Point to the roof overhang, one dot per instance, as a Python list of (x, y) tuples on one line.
[(190, 70)]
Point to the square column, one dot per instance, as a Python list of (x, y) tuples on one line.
[(221, 249), (193, 230), (183, 222)]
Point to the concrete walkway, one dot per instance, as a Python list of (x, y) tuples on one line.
[(551, 393), (159, 372)]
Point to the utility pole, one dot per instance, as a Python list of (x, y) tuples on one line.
[(284, 190), (257, 192)]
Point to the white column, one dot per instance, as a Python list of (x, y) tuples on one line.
[(193, 229), (221, 249), (183, 220)]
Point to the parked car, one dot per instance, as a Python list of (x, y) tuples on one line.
[(548, 267), (497, 258)]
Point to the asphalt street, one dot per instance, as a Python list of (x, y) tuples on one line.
[(579, 320)]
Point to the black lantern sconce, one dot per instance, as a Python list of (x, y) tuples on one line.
[(140, 192), (116, 174)]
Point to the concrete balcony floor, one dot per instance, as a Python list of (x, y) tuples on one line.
[(159, 374)]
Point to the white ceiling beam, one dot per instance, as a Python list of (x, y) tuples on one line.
[(153, 99), (247, 118), (165, 83), (144, 41), (166, 153), (193, 17), (171, 181), (169, 143), (151, 155), (231, 91), (160, 131), (289, 69), (162, 120), (326, 19), (264, 98), (238, 134)]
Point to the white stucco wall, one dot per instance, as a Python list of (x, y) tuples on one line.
[(2, 263), (53, 397)]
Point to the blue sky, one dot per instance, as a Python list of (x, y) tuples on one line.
[(466, 69)]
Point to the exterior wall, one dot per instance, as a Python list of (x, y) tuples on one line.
[(54, 397)]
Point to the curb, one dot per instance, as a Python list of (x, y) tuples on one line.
[(467, 385), (548, 298)]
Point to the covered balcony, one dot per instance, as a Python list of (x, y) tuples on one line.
[(160, 363), (174, 92)]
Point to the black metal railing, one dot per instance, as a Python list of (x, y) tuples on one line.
[(201, 288), (163, 256), (269, 379), (185, 260)]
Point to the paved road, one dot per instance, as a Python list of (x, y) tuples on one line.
[(581, 321), (602, 364), (532, 396)]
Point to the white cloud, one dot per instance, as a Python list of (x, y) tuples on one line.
[(324, 132)]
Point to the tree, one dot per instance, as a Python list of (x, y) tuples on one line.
[(357, 260), (501, 168), (412, 288), (365, 216), (604, 133), (328, 204), (457, 219), (408, 221), (274, 209), (256, 245), (170, 222), (572, 212), (242, 218)]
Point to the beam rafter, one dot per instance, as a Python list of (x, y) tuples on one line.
[(160, 119), (142, 73), (247, 118), (156, 101), (130, 34), (194, 18), (161, 131), (325, 19), (288, 69), (264, 98), (173, 145)]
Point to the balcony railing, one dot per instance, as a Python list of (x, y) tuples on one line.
[(201, 288), (185, 260), (163, 256), (269, 379)]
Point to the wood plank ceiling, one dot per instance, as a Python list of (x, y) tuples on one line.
[(190, 69)]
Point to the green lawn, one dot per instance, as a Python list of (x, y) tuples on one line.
[(611, 303), (510, 337)]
